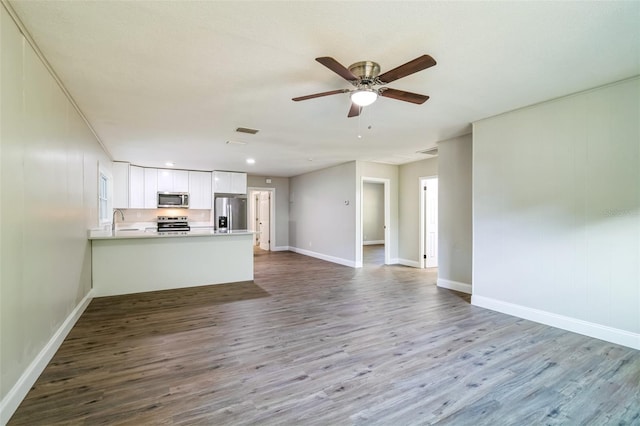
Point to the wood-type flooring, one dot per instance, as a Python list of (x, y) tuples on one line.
[(315, 343)]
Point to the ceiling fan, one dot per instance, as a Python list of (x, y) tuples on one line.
[(366, 74)]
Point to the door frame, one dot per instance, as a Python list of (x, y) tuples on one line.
[(387, 218), (423, 217), (272, 211)]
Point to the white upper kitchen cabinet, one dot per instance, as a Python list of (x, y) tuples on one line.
[(230, 182), (173, 180), (199, 190), (238, 183), (136, 187), (120, 185), (150, 188)]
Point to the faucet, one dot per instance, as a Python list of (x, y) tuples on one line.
[(113, 222)]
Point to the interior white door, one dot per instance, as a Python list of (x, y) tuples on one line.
[(431, 223), (264, 220), (255, 217)]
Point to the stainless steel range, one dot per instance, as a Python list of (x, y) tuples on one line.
[(173, 225)]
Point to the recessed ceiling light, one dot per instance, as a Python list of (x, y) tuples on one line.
[(251, 161), (169, 164)]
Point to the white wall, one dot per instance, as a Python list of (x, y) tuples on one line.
[(409, 208), (454, 213), (281, 206), (556, 213), (322, 215), (373, 213), (49, 181)]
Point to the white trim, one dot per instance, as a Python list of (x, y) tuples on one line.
[(272, 212), (609, 334), (407, 262), (422, 181), (280, 248), (372, 243), (326, 257), (454, 285), (18, 392)]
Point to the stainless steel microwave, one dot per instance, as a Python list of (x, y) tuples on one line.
[(173, 199)]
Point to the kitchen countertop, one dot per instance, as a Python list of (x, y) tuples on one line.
[(128, 233)]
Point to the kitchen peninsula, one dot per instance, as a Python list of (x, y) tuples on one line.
[(134, 261)]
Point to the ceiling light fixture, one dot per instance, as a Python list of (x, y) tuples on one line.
[(169, 164), (364, 97), (251, 161)]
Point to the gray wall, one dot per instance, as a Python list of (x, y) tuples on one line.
[(454, 213), (409, 207), (556, 212), (372, 212), (49, 181), (322, 215), (281, 186)]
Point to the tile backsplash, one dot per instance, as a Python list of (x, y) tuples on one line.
[(151, 215)]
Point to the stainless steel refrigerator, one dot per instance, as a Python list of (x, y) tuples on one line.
[(230, 213)]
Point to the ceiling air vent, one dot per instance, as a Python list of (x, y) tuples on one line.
[(247, 130), (430, 151)]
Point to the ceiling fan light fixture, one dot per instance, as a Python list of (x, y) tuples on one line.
[(364, 97)]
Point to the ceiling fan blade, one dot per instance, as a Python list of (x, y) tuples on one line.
[(336, 67), (401, 95), (354, 111), (318, 95), (418, 64)]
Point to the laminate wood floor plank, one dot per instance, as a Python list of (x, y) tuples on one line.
[(313, 343)]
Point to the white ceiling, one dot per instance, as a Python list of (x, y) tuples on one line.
[(172, 80)]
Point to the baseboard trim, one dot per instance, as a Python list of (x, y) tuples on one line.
[(18, 392), (280, 248), (455, 285), (372, 243), (598, 331), (407, 262), (326, 257)]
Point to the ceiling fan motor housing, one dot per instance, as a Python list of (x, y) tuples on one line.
[(366, 71)]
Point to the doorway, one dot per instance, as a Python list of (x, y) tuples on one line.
[(375, 210), (373, 223), (429, 222), (262, 217)]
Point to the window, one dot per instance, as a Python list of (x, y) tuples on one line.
[(104, 196), (103, 199)]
